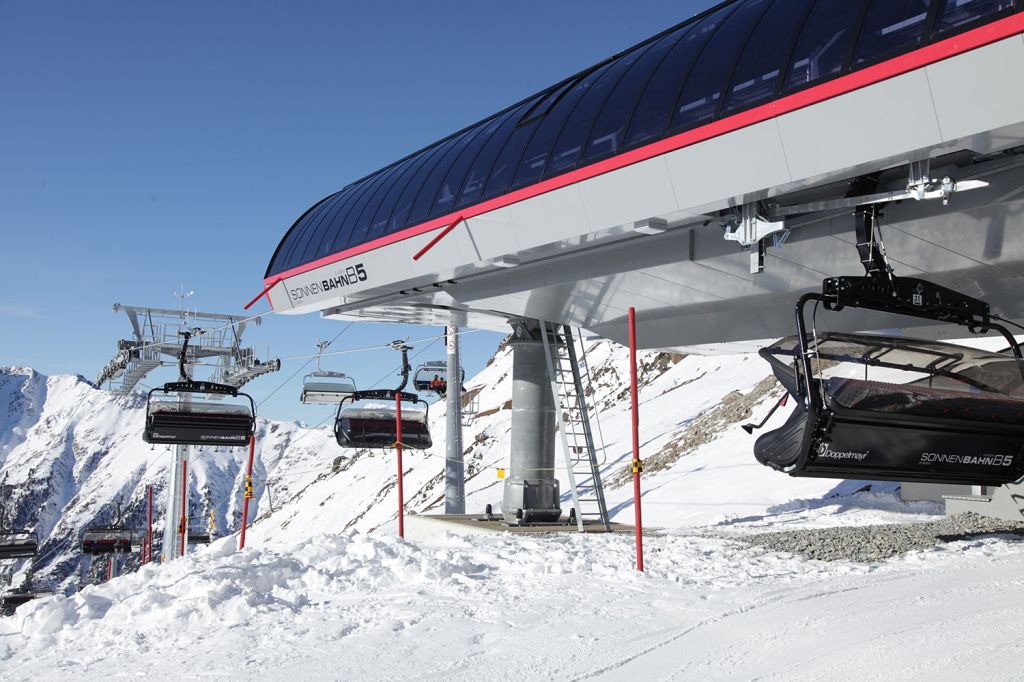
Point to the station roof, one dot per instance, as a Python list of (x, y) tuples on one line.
[(735, 56)]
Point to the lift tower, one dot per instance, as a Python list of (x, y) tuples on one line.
[(156, 342)]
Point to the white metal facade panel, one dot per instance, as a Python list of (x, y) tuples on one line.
[(748, 160), (549, 217), (640, 191), (889, 118), (980, 90), (494, 234)]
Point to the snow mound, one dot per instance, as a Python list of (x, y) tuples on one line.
[(221, 588)]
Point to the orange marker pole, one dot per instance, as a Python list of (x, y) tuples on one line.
[(398, 449), (184, 505), (636, 466), (247, 493)]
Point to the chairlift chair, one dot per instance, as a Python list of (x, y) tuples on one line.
[(374, 425), (199, 422), (206, 421), (326, 388), (323, 387), (432, 377), (18, 544), (111, 539), (957, 417), (198, 537), (14, 598)]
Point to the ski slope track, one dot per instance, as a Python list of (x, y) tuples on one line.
[(324, 589)]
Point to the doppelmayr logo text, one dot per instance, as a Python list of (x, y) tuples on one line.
[(826, 451)]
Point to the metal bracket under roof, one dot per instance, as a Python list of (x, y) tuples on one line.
[(752, 231)]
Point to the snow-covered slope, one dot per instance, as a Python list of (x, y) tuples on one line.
[(325, 591), (70, 454), (355, 606), (690, 406)]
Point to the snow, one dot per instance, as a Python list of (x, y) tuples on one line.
[(370, 606), (325, 590)]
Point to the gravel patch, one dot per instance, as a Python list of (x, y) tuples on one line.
[(878, 542)]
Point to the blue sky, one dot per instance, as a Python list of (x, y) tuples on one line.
[(145, 146)]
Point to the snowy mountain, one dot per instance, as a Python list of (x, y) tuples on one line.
[(69, 454), (324, 589)]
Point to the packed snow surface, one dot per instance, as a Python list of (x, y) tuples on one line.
[(370, 606)]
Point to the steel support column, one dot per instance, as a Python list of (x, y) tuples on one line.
[(454, 466), (531, 491)]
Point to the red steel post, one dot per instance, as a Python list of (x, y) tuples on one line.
[(147, 555), (248, 492), (636, 466), (110, 568), (184, 505), (398, 448)]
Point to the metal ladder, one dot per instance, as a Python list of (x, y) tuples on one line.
[(566, 373)]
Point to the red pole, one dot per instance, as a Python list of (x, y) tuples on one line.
[(110, 568), (636, 466), (147, 556), (398, 448), (248, 492), (184, 504)]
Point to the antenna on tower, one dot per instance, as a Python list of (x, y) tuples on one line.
[(182, 295)]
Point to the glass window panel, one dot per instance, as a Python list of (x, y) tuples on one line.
[(763, 59), (502, 173), (504, 168), (476, 179), (550, 98), (957, 14), (299, 234), (452, 184), (319, 234), (379, 225), (539, 148), (326, 231), (339, 234), (569, 145), (361, 226), (824, 42), (890, 26), (699, 98), (400, 216), (425, 199), (654, 109), (608, 134)]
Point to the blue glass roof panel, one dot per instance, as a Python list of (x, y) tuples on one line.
[(889, 27), (654, 110), (958, 14), (453, 181), (699, 99), (756, 75), (609, 132), (535, 158), (569, 145)]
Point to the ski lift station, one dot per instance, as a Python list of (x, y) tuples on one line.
[(862, 157)]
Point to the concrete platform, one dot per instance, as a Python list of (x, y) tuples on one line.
[(421, 527)]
